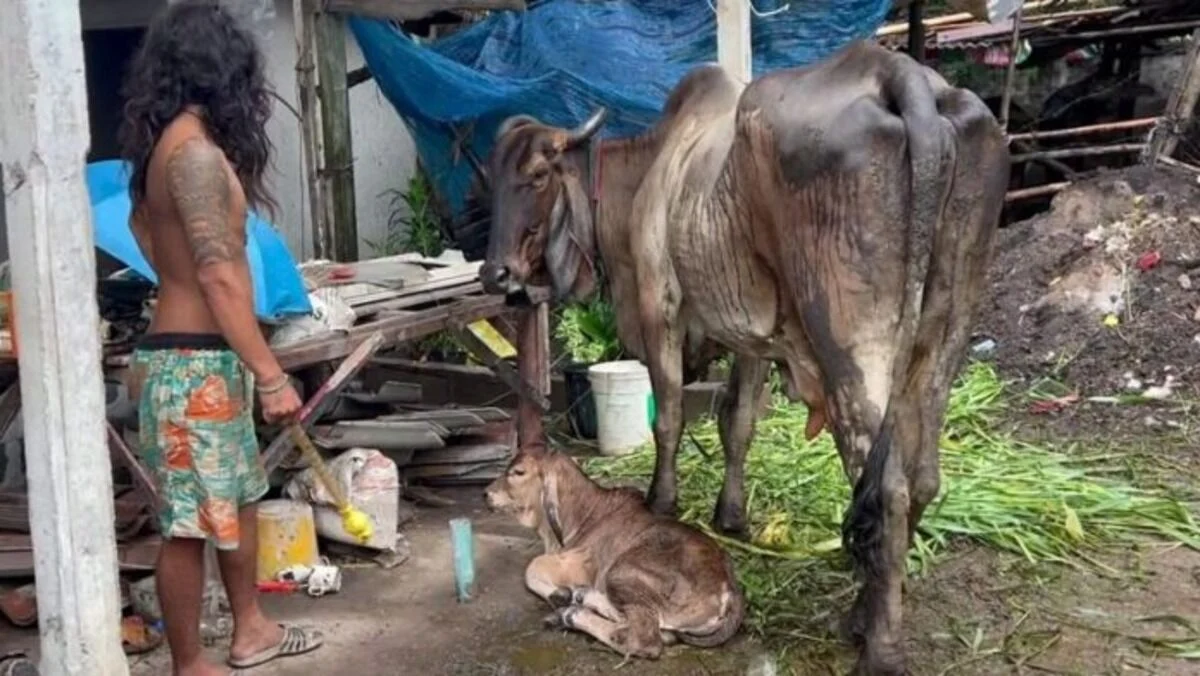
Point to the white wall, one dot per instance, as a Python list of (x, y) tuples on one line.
[(384, 153)]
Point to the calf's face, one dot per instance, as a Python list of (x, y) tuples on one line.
[(519, 490)]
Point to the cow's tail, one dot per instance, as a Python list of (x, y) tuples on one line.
[(932, 152)]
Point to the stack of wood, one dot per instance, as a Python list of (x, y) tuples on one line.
[(438, 446)]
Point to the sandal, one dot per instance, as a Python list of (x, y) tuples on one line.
[(295, 641), (15, 664)]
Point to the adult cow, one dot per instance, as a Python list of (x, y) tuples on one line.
[(834, 219)]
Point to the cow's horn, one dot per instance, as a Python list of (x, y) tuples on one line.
[(586, 130)]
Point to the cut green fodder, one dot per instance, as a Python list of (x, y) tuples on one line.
[(1041, 504)]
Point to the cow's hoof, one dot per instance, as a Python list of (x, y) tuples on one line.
[(881, 662), (867, 667), (560, 598), (563, 618), (731, 523)]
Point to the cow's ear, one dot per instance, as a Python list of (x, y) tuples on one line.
[(571, 244)]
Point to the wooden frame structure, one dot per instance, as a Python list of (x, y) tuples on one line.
[(323, 85)]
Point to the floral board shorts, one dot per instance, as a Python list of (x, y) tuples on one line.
[(197, 434)]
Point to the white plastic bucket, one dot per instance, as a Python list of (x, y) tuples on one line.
[(624, 405)]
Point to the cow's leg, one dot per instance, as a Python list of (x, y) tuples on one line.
[(736, 425), (637, 636), (664, 349), (552, 576)]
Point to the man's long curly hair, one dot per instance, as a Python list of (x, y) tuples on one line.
[(196, 54)]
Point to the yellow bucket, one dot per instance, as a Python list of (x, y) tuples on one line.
[(287, 536)]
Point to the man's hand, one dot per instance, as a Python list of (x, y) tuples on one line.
[(280, 406)]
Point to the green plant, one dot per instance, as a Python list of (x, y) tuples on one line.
[(414, 225), (588, 332)]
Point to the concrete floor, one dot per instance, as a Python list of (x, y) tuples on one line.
[(407, 621)]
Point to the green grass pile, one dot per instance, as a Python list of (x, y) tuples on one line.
[(1038, 503)]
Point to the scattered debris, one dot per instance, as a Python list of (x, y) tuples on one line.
[(1096, 293), (1053, 405)]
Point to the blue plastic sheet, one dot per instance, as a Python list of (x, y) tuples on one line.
[(278, 287), (561, 59)]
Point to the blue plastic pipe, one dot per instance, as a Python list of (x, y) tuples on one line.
[(464, 558)]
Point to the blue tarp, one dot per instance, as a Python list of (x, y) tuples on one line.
[(278, 287), (561, 59)]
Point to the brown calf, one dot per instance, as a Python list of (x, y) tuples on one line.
[(612, 569)]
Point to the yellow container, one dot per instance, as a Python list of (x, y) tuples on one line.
[(287, 536)]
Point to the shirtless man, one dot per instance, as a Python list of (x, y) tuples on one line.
[(194, 134)]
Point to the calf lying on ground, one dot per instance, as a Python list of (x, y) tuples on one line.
[(633, 580)]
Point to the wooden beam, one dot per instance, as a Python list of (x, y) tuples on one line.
[(734, 51), (503, 370), (411, 10), (338, 175), (533, 365), (1180, 107), (303, 16), (43, 143)]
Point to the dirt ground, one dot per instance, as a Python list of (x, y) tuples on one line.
[(976, 614), (1125, 244)]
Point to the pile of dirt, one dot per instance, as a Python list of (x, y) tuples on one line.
[(1100, 296)]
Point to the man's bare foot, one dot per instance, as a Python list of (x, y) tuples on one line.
[(201, 667), (253, 637)]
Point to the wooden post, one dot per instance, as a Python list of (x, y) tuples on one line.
[(916, 30), (303, 13), (43, 144), (734, 51), (1010, 75), (338, 174), (1180, 107), (533, 365)]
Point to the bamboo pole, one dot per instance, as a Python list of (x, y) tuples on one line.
[(1089, 151), (338, 175), (1126, 125), (1038, 191), (306, 85), (1010, 74)]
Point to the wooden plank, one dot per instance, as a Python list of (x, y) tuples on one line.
[(465, 454), (392, 392), (1180, 107), (411, 10), (334, 96), (143, 483), (533, 364), (454, 420), (315, 405), (389, 434), (395, 330), (53, 273)]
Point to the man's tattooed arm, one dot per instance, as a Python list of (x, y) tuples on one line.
[(199, 185)]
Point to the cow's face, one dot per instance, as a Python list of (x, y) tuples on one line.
[(542, 230), (519, 490)]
